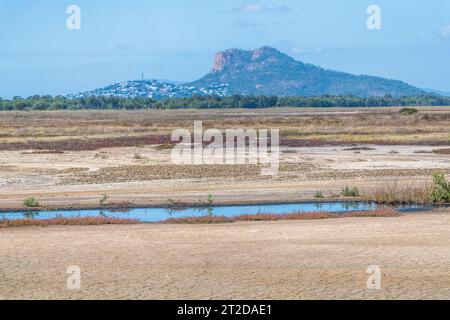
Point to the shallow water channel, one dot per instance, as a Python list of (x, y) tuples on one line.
[(161, 214)]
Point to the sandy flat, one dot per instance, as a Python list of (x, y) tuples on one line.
[(259, 260), (79, 179)]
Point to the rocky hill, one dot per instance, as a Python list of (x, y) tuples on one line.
[(267, 71)]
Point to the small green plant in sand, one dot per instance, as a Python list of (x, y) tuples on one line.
[(350, 192), (441, 189), (210, 200), (30, 202), (319, 195), (137, 156)]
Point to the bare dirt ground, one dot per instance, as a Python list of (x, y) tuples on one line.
[(79, 179), (69, 159), (259, 260)]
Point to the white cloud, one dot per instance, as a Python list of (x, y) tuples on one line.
[(253, 8), (250, 7), (444, 32)]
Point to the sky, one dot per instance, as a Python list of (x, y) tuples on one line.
[(177, 39)]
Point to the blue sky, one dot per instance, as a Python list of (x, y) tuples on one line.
[(177, 39)]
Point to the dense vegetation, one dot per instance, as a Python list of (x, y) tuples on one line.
[(214, 102)]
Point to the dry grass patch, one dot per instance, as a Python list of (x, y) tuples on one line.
[(397, 192), (59, 146), (442, 151), (87, 221), (277, 217), (200, 220)]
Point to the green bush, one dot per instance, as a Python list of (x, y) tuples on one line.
[(350, 192), (319, 195), (210, 200), (408, 111), (441, 189), (30, 202)]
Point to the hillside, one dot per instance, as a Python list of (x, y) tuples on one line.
[(156, 89), (267, 71)]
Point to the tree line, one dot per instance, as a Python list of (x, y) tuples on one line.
[(215, 102)]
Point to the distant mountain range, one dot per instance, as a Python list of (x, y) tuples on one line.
[(265, 71), (438, 92)]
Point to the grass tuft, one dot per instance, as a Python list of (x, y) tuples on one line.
[(31, 202), (400, 193), (350, 192), (318, 195)]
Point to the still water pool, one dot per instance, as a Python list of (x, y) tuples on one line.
[(161, 214)]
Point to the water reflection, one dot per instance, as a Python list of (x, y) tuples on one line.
[(31, 215), (319, 206)]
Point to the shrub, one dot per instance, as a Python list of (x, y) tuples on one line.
[(408, 111), (137, 156), (395, 193), (318, 195), (30, 202), (441, 189), (210, 200), (350, 192)]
